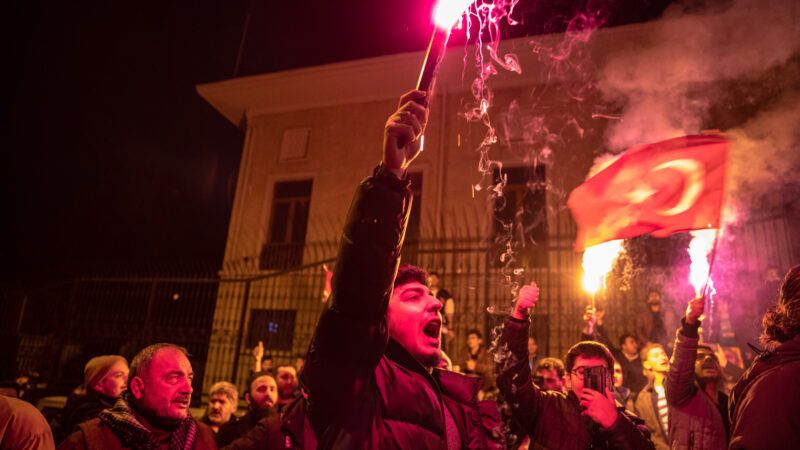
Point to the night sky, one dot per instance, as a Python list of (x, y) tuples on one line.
[(114, 160)]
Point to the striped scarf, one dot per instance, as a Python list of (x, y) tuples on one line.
[(126, 426)]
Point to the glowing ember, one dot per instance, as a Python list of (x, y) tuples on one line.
[(597, 262), (447, 12), (699, 249)]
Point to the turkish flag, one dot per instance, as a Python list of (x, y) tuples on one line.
[(662, 188)]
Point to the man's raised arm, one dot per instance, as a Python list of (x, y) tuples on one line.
[(351, 335)]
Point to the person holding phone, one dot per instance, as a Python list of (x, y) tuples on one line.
[(586, 416)]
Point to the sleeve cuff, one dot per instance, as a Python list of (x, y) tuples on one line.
[(690, 330)]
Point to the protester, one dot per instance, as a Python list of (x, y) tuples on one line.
[(557, 419), (261, 362), (153, 412), (533, 352), (478, 360), (763, 406), (551, 373), (299, 362), (653, 321), (104, 378), (288, 388), (627, 355), (622, 395), (261, 396), (370, 375), (223, 399), (22, 426), (698, 410), (651, 402)]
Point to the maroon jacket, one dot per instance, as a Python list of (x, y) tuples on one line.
[(553, 419), (763, 404), (365, 391)]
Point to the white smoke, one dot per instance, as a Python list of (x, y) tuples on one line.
[(668, 84)]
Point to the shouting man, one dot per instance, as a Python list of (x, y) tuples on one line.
[(370, 373)]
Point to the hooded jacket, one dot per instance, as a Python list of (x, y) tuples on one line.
[(763, 404), (365, 391)]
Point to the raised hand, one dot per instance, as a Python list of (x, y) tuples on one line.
[(527, 298), (401, 139), (695, 310), (600, 408)]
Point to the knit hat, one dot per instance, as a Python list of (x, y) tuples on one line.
[(98, 367)]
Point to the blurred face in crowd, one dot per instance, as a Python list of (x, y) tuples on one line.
[(552, 382), (266, 365), (575, 377), (618, 379), (533, 347), (473, 342), (654, 301), (164, 389), (287, 382), (220, 408), (115, 381), (630, 346), (706, 365), (415, 321), (433, 280), (656, 360), (299, 363), (263, 393)]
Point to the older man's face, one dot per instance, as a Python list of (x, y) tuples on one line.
[(165, 389), (415, 321), (220, 408)]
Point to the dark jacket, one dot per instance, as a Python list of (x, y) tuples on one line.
[(290, 430), (95, 435), (484, 366), (553, 419), (695, 421), (649, 330), (764, 403), (234, 429), (82, 408), (365, 391)]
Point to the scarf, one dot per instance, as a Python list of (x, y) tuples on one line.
[(122, 420)]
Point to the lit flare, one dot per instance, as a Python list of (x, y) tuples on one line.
[(699, 250), (597, 262), (447, 12)]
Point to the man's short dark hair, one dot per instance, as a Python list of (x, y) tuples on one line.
[(253, 377), (625, 336), (551, 363), (408, 273), (475, 332), (141, 362), (782, 322), (588, 349)]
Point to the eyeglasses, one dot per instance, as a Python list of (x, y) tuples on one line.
[(579, 372)]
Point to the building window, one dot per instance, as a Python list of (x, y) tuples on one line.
[(287, 226), (273, 327), (520, 216)]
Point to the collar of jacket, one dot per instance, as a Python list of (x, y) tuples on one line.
[(293, 419), (102, 398)]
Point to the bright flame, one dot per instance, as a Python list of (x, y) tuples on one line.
[(447, 12), (597, 262), (699, 248)]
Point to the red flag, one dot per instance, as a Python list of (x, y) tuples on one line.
[(662, 188)]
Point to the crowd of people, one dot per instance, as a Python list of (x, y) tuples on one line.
[(376, 376)]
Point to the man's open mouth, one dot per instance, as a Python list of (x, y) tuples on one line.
[(433, 329)]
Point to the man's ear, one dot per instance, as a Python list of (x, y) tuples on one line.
[(136, 387)]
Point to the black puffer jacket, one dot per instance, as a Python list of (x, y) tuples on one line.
[(552, 419), (365, 391), (763, 404), (83, 408)]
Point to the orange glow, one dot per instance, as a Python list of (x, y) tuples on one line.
[(699, 249), (447, 12), (597, 262)]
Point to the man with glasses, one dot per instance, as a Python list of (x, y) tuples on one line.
[(578, 419), (698, 409)]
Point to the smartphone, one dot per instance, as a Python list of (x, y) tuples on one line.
[(595, 378)]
